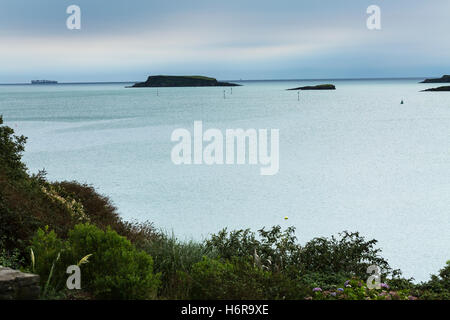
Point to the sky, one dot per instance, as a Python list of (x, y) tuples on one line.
[(229, 40)]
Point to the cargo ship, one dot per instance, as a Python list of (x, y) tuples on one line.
[(43, 82)]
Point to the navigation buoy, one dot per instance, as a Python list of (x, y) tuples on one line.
[(401, 102), (285, 218)]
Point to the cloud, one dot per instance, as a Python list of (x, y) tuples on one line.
[(214, 36)]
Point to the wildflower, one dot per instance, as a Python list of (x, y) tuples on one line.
[(346, 283), (334, 294), (340, 290), (317, 290), (394, 295), (385, 286), (412, 298)]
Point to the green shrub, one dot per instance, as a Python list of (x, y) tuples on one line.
[(326, 281), (438, 287), (279, 286), (46, 250), (11, 149), (332, 258), (274, 250), (117, 270), (10, 258), (348, 254), (236, 279)]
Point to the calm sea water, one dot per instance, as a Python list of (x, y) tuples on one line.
[(352, 159)]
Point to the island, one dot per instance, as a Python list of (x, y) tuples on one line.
[(182, 81), (445, 88), (443, 79), (318, 87)]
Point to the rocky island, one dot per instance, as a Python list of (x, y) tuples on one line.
[(182, 81), (318, 87), (445, 88), (443, 79)]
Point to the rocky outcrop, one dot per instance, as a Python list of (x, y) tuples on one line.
[(446, 88), (16, 285), (443, 79), (182, 81), (318, 87)]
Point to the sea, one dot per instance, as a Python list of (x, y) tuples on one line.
[(351, 159)]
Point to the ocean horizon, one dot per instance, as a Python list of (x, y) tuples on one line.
[(235, 80)]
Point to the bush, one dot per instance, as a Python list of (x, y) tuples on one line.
[(349, 254), (46, 249), (274, 250), (438, 287), (325, 281), (116, 269), (331, 259), (240, 279), (11, 149), (233, 280), (10, 259)]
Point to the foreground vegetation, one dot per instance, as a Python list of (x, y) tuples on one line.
[(47, 226)]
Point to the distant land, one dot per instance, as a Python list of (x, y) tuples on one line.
[(182, 81), (446, 88), (318, 87), (443, 79)]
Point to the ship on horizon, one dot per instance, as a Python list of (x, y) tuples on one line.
[(44, 82)]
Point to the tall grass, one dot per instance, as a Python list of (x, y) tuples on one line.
[(174, 259)]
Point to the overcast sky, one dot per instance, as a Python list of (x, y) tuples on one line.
[(233, 39)]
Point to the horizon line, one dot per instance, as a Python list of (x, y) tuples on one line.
[(235, 80)]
